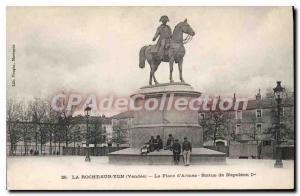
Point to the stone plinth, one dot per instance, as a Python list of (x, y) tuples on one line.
[(133, 156), (165, 119)]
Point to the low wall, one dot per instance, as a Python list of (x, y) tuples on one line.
[(288, 152), (243, 151)]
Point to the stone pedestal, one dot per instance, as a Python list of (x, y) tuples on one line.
[(162, 117)]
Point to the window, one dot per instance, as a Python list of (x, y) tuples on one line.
[(258, 113), (258, 128), (237, 129), (266, 143), (202, 116), (238, 115)]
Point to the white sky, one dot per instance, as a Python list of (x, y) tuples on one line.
[(95, 49)]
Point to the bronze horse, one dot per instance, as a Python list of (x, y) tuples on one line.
[(176, 52)]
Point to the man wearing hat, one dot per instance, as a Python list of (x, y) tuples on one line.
[(164, 32), (186, 151), (158, 143), (170, 142), (176, 148)]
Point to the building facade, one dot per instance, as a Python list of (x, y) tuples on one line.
[(253, 126), (121, 127)]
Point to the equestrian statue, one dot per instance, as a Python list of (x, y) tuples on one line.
[(169, 48)]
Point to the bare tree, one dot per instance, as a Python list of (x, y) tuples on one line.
[(97, 131), (13, 114), (215, 124), (119, 135), (53, 118), (25, 125), (67, 124), (286, 124), (38, 111), (58, 135), (75, 136)]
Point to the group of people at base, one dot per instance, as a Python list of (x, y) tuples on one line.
[(156, 144)]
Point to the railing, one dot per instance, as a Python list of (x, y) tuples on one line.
[(31, 150)]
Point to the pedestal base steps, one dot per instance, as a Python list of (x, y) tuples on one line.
[(132, 156)]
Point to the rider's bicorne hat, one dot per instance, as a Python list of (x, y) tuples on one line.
[(164, 17)]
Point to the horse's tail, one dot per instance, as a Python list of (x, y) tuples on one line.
[(142, 57)]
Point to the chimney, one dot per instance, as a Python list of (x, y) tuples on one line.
[(258, 95)]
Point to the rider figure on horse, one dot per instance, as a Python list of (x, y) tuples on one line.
[(165, 33)]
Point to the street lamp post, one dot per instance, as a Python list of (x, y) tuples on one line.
[(278, 92), (87, 152)]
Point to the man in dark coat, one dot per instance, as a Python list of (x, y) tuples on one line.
[(186, 151), (170, 142), (158, 143), (176, 147), (151, 143)]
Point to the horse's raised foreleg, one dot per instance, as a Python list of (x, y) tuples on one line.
[(153, 69), (180, 69), (171, 62)]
